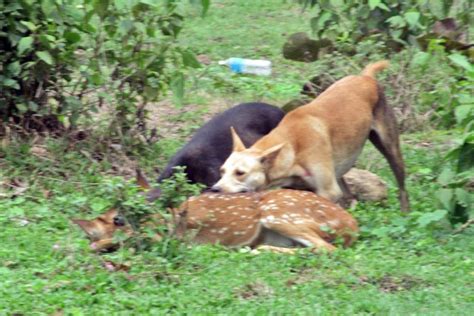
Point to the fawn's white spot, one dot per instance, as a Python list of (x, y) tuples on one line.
[(223, 230)]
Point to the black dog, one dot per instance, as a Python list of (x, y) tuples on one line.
[(205, 153)]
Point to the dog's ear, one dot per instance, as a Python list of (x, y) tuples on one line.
[(236, 141), (269, 155)]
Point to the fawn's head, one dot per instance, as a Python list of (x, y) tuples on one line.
[(101, 230)]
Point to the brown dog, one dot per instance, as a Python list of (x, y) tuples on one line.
[(318, 143), (277, 220)]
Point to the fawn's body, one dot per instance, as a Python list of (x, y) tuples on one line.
[(278, 219)]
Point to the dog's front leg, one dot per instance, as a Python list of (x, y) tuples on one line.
[(322, 178)]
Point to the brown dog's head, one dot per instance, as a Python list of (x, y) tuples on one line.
[(246, 168), (100, 230)]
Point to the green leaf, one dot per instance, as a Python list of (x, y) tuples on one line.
[(463, 197), (14, 68), (121, 4), (437, 8), (25, 43), (445, 196), (383, 7), (205, 7), (462, 111), (428, 218), (325, 228), (466, 157), (29, 25), (374, 4), (397, 21), (421, 59), (125, 26), (425, 171), (48, 6), (189, 59), (412, 18), (326, 16), (32, 106), (177, 86), (10, 83), (100, 8), (461, 61), (72, 37), (337, 3), (152, 3), (446, 176), (21, 107), (45, 56)]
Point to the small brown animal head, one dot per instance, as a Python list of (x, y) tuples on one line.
[(245, 169), (101, 230)]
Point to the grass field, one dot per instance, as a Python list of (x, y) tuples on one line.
[(403, 264)]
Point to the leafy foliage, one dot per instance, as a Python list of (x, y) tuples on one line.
[(396, 23), (457, 178), (450, 100), (70, 58)]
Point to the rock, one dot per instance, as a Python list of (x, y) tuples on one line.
[(293, 104), (300, 47), (365, 185)]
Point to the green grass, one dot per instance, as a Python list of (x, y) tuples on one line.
[(403, 264), (397, 267), (248, 29)]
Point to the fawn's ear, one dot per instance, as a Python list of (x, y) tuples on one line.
[(269, 155), (238, 145), (141, 180), (84, 224)]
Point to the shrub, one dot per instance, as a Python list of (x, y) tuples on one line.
[(65, 59), (457, 178), (397, 23)]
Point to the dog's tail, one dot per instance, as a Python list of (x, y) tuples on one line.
[(372, 69)]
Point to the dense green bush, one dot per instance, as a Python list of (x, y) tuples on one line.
[(66, 59), (457, 178), (397, 23)]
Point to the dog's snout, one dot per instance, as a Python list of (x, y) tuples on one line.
[(215, 189)]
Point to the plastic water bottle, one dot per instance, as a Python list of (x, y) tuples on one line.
[(248, 66)]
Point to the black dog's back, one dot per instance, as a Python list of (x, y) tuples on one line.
[(210, 146)]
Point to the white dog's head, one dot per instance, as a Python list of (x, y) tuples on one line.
[(245, 170)]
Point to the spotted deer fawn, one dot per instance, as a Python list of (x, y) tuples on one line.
[(278, 220)]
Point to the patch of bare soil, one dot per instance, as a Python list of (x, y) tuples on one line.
[(303, 276), (254, 290), (171, 121), (392, 284)]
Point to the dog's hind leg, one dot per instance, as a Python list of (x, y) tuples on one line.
[(385, 137)]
